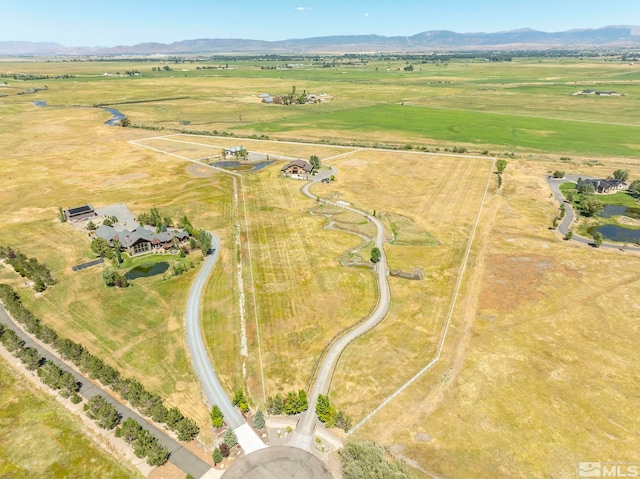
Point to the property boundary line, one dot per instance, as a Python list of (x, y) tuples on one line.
[(448, 322)]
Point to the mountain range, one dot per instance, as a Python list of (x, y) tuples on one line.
[(436, 40)]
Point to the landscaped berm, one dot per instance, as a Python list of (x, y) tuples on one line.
[(279, 462)]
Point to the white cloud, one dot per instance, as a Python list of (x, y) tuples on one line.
[(366, 14), (303, 9)]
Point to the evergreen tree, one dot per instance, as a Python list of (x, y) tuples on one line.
[(217, 456), (230, 438), (303, 402), (216, 416), (258, 420)]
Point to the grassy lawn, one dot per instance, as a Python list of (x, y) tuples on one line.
[(585, 225), (39, 438), (620, 198)]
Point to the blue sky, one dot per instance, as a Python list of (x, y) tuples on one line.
[(118, 22)]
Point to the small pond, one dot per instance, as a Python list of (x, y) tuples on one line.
[(612, 210), (146, 270), (232, 165), (40, 103), (616, 210), (617, 233)]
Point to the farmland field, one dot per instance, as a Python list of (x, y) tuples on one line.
[(538, 369), (41, 439)]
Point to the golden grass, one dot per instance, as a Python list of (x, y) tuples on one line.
[(39, 438), (72, 159), (304, 296), (439, 196), (539, 368), (541, 357)]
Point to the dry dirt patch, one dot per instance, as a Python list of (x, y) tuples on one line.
[(199, 171), (511, 281)]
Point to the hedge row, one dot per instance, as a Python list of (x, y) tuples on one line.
[(50, 374), (143, 442), (28, 267), (147, 403)]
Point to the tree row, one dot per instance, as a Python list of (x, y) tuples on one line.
[(147, 403), (28, 267)]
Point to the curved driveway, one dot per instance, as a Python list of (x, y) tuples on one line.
[(213, 390), (304, 431)]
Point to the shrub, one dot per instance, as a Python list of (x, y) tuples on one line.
[(230, 438), (216, 416), (224, 450), (258, 420), (367, 459)]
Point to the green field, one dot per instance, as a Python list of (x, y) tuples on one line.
[(39, 438), (524, 106), (501, 132)]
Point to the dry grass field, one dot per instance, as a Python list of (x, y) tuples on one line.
[(304, 296), (438, 198), (539, 370)]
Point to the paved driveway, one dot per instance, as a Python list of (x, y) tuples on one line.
[(211, 386), (304, 431)]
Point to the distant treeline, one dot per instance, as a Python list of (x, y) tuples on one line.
[(28, 267), (141, 101), (363, 58), (147, 403), (31, 77)]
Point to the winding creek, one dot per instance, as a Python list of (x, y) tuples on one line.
[(114, 121)]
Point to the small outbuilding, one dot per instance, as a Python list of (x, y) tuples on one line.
[(80, 213)]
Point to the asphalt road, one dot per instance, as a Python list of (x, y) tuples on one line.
[(181, 457), (212, 388), (304, 431)]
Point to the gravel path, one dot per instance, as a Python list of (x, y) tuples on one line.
[(302, 436)]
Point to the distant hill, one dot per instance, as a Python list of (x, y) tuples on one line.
[(606, 37), (29, 48)]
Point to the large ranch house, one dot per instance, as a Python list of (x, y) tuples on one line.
[(297, 169), (603, 186), (141, 240)]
